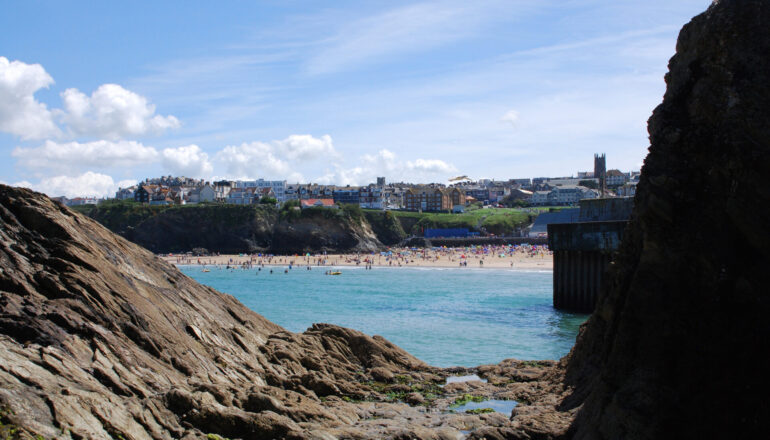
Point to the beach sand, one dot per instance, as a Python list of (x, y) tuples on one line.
[(495, 257)]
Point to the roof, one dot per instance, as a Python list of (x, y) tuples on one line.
[(564, 216), (326, 203)]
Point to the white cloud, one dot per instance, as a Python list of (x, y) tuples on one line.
[(189, 161), (431, 166), (305, 147), (276, 159), (72, 157), (252, 160), (87, 184), (20, 113), (386, 163), (408, 29), (511, 117), (126, 183), (112, 112)]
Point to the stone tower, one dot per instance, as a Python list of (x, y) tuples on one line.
[(600, 171)]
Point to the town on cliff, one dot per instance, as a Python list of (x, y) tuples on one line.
[(455, 196)]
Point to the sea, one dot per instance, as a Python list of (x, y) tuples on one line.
[(443, 316)]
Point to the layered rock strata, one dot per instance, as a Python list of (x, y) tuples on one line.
[(100, 339)]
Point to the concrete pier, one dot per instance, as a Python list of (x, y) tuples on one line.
[(582, 251), (581, 254)]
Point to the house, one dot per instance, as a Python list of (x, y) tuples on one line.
[(479, 193), (563, 195), (144, 193), (456, 199), (540, 197), (77, 201), (202, 194), (125, 193), (497, 191), (570, 194), (348, 195), (266, 192), (524, 183), (616, 178), (161, 196), (243, 196), (628, 190), (278, 187), (291, 192), (322, 203), (427, 199), (394, 197), (222, 188), (371, 197)]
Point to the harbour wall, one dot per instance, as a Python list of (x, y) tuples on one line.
[(471, 241), (581, 253)]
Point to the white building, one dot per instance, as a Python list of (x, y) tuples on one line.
[(278, 186), (563, 195), (616, 178), (203, 194), (540, 197), (125, 193), (371, 197), (628, 190), (570, 195)]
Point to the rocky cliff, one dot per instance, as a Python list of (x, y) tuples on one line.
[(675, 346), (236, 229), (101, 339)]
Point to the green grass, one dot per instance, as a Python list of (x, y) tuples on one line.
[(498, 221), (120, 216)]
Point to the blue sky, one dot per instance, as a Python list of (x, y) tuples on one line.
[(95, 95)]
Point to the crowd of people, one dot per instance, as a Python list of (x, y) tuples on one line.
[(494, 256)]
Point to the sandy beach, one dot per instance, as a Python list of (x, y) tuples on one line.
[(495, 257)]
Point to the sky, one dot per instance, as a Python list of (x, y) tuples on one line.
[(100, 95)]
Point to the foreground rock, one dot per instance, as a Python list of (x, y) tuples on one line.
[(100, 339)]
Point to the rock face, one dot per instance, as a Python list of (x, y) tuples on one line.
[(233, 229), (101, 339), (675, 346), (226, 229), (320, 233)]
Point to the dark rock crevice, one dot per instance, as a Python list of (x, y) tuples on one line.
[(673, 348)]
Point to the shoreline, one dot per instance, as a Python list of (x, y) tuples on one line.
[(502, 257)]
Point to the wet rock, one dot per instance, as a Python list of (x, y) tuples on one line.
[(414, 399), (101, 339), (381, 374)]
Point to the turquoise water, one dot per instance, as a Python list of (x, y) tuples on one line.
[(446, 317)]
